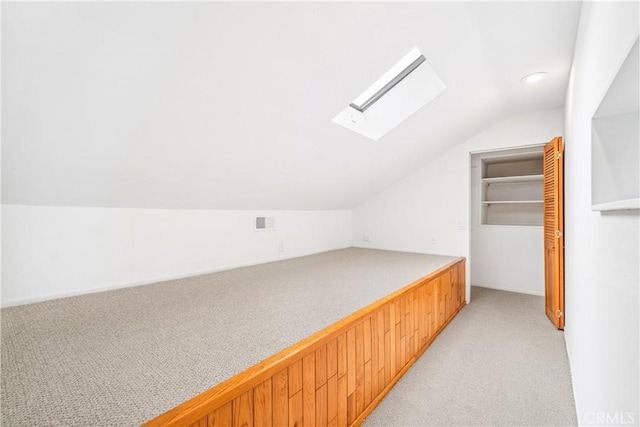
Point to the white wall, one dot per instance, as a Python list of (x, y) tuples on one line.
[(51, 252), (428, 211), (508, 258), (601, 249)]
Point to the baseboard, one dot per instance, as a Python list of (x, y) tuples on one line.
[(506, 289), (573, 384), (157, 279)]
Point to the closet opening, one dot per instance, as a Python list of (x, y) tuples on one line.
[(506, 219), (516, 234)]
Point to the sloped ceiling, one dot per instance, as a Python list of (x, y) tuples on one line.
[(229, 106)]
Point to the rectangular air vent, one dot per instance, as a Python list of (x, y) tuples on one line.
[(265, 223)]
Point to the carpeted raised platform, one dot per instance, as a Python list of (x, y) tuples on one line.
[(125, 356)]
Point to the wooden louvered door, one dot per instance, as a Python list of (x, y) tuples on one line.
[(554, 232)]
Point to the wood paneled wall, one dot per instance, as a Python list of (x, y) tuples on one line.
[(338, 375)]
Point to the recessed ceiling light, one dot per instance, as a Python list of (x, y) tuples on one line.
[(534, 77)]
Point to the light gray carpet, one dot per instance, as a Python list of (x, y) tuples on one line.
[(500, 362), (122, 357)]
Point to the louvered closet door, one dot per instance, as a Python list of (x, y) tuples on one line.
[(554, 232)]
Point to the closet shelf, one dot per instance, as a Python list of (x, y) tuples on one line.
[(513, 179), (511, 188), (509, 202)]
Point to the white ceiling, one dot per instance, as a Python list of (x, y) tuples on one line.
[(229, 105)]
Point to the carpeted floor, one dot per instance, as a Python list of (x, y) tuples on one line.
[(119, 358), (500, 362)]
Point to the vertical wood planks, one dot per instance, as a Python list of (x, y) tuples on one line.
[(243, 410), (221, 417), (387, 345), (392, 336), (441, 303), (342, 400), (332, 400), (359, 367), (397, 351), (351, 361), (295, 410), (321, 406), (338, 380), (262, 405), (342, 355), (295, 377), (367, 339), (280, 398), (309, 390), (321, 366), (332, 358), (374, 356)]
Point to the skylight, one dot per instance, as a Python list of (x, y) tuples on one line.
[(361, 106), (408, 86)]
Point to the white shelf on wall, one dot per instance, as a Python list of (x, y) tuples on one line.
[(617, 205), (511, 189), (508, 202), (501, 224), (513, 179)]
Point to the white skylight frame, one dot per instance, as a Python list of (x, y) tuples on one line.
[(367, 99), (404, 89)]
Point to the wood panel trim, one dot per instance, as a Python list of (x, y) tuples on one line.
[(395, 379), (199, 407)]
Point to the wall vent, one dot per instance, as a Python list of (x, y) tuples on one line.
[(265, 223)]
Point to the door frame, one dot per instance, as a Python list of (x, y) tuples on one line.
[(474, 210)]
